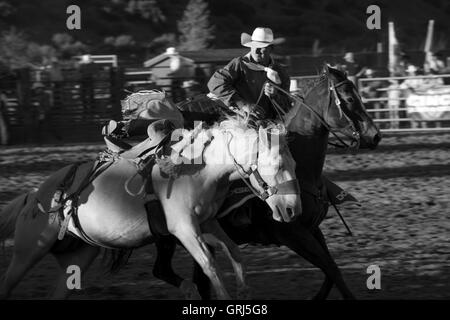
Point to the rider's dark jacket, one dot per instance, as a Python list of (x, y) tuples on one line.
[(237, 85)]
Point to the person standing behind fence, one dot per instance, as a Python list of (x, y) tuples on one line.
[(371, 90), (87, 70), (353, 69), (434, 64), (56, 79), (4, 132), (40, 114)]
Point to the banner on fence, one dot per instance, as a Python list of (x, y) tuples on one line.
[(429, 104)]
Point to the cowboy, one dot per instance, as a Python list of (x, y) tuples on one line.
[(243, 86)]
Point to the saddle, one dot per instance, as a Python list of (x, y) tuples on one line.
[(67, 206), (156, 132)]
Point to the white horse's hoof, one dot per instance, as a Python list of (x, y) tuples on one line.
[(244, 293), (189, 290)]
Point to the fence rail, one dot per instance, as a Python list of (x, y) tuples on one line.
[(79, 107)]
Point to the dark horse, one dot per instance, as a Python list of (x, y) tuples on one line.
[(331, 105)]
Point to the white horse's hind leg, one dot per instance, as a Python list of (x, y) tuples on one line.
[(81, 257)]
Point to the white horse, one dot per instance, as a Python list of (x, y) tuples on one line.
[(109, 215)]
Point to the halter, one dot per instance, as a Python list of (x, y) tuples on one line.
[(332, 92), (287, 187)]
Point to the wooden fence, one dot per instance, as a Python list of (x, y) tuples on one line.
[(76, 108)]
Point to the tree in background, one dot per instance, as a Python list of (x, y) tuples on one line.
[(196, 32), (147, 9), (16, 51), (67, 45), (161, 43), (6, 9), (123, 40)]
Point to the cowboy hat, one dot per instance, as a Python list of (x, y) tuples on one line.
[(260, 38)]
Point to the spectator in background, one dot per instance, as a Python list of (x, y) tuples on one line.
[(353, 69), (371, 90), (4, 130), (414, 83), (39, 114), (434, 64), (56, 78), (401, 66), (191, 88), (87, 70)]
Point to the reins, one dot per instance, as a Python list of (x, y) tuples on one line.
[(332, 90)]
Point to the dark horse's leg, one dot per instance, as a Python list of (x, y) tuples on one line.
[(328, 282), (301, 240), (313, 248), (162, 268)]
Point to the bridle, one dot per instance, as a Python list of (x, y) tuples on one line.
[(287, 187), (332, 92)]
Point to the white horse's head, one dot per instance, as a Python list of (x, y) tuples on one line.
[(263, 156)]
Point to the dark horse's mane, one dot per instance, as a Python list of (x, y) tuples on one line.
[(309, 84)]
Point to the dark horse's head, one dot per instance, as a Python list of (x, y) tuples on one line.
[(346, 112)]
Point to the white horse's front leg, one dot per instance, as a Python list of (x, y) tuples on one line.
[(216, 237), (184, 226)]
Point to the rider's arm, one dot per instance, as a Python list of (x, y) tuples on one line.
[(281, 98), (223, 84)]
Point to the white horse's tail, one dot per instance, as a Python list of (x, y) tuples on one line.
[(10, 213)]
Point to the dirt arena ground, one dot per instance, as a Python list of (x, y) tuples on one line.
[(403, 227)]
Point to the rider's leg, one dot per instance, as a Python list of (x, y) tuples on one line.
[(82, 257), (33, 239)]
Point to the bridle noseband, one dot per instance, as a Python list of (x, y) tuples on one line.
[(287, 187), (355, 136)]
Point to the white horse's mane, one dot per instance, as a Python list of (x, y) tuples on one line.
[(271, 126), (233, 124)]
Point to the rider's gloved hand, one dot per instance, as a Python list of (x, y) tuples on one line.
[(269, 90)]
